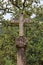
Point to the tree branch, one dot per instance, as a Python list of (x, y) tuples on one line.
[(2, 9), (24, 4), (5, 10), (14, 4)]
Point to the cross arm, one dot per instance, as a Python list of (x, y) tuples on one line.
[(16, 21)]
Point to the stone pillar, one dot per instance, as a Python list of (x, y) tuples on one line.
[(21, 43), (21, 22)]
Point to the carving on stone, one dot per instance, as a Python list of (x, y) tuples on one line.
[(21, 42)]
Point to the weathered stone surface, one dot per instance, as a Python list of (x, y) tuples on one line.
[(21, 60), (21, 42)]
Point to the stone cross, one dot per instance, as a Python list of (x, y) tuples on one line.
[(21, 41)]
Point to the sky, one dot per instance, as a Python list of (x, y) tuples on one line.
[(41, 1), (8, 16)]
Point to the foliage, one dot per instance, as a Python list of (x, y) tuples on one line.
[(33, 31), (34, 51), (16, 7)]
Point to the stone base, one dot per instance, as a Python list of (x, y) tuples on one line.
[(21, 43)]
